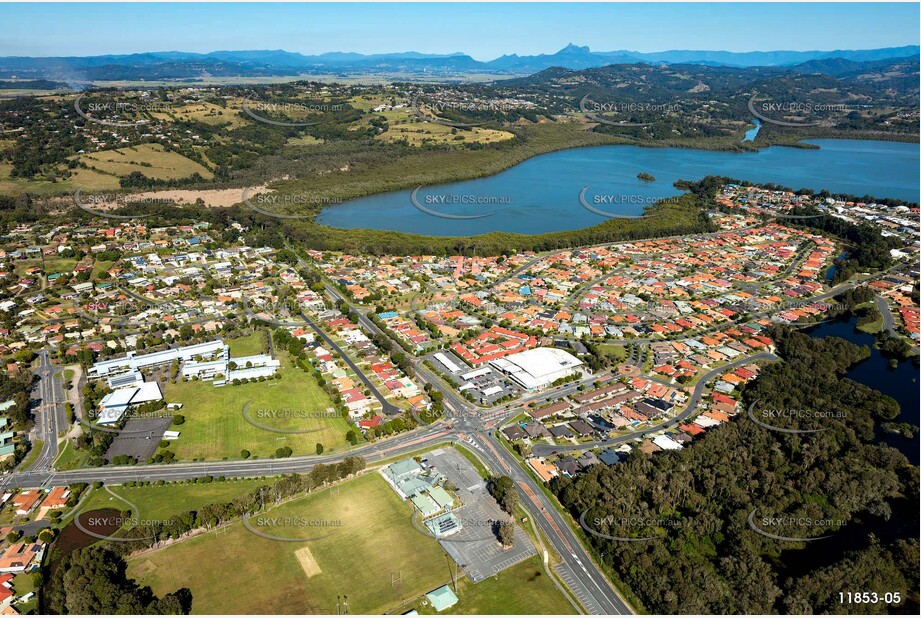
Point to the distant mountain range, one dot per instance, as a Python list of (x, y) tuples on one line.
[(265, 63)]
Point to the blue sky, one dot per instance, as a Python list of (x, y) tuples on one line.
[(484, 31)]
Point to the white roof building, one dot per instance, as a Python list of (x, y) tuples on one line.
[(114, 405), (447, 362), (666, 444), (132, 361), (537, 368)]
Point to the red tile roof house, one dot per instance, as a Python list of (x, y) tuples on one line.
[(25, 501), (370, 423), (18, 557), (6, 590), (57, 499)]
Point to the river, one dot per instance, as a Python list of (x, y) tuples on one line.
[(542, 193), (752, 133)]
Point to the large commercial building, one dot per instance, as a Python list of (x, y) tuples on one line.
[(204, 361), (537, 368), (113, 406), (132, 361)]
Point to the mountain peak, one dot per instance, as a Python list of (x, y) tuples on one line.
[(575, 49)]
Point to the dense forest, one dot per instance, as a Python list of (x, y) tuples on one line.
[(704, 556)]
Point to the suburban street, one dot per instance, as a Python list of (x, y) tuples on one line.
[(886, 312), (543, 450), (463, 423)]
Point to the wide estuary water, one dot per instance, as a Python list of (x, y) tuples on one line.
[(542, 193)]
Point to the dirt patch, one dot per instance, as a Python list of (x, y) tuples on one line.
[(308, 563), (213, 198)]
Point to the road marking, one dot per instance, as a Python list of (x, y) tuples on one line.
[(533, 498)]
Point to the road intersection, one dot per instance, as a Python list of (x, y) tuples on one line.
[(463, 423)]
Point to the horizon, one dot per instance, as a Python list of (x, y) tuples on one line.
[(522, 29), (461, 53)]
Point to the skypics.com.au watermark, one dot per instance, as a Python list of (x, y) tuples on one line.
[(296, 522), (635, 522), (455, 199), (430, 107), (96, 110), (288, 413), (807, 112), (813, 308), (260, 110), (464, 530), (86, 203), (624, 525), (793, 528), (595, 111), (90, 417), (254, 418), (117, 522), (621, 200), (772, 418), (267, 203), (279, 528)]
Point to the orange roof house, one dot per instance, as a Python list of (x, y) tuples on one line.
[(25, 501), (57, 499), (18, 557), (544, 469)]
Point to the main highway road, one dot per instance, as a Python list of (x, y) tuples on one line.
[(50, 416), (588, 584), (583, 576)]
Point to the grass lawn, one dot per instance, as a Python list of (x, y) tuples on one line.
[(59, 265), (23, 265), (873, 327), (100, 266), (70, 458), (402, 125), (23, 584), (215, 427), (14, 186), (164, 501), (618, 352), (248, 345), (32, 455), (205, 112), (357, 558), (523, 589), (304, 140), (91, 180)]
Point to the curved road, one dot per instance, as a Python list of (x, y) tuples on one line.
[(543, 450)]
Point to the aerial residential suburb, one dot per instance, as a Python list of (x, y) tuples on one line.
[(456, 308)]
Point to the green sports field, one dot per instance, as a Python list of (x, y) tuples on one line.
[(216, 429), (374, 557)]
